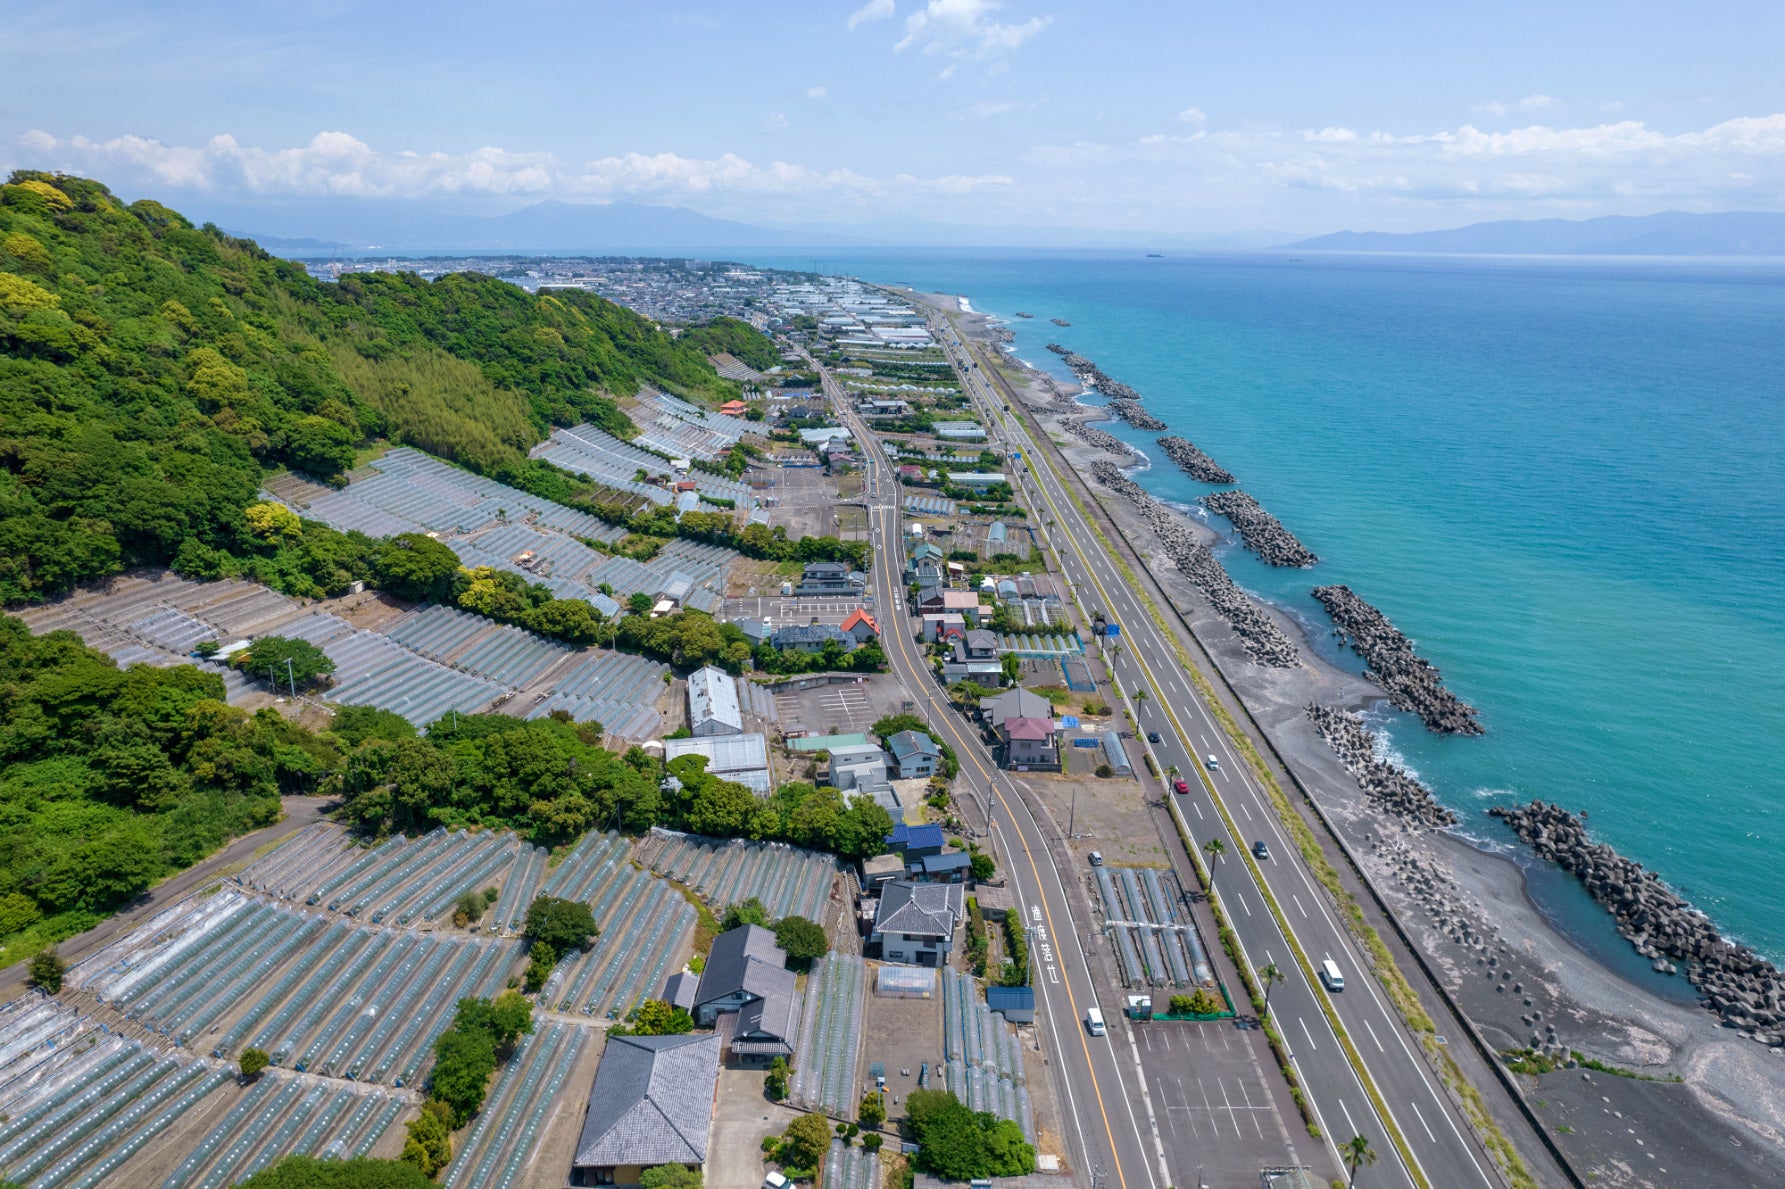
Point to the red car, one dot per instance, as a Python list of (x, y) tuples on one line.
[(1180, 785)]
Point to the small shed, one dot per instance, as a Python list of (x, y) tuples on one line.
[(1016, 1004), (681, 989)]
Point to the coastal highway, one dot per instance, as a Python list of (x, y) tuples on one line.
[(1440, 1150), (1102, 1104)]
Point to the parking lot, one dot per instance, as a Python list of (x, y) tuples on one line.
[(841, 709), (1218, 1122)]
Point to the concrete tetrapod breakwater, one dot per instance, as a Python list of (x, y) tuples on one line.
[(1265, 642), (1263, 533), (1386, 785), (1194, 462), (1081, 428), (1739, 985), (1132, 412), (1412, 682)]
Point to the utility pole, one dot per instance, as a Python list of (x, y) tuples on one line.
[(1072, 818), (291, 676)]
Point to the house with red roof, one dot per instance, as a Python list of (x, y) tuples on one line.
[(861, 626)]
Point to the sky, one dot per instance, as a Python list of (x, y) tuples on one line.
[(1182, 118)]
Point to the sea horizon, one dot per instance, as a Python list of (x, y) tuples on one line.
[(1558, 476)]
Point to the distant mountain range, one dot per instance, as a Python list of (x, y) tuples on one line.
[(1670, 233), (357, 227)]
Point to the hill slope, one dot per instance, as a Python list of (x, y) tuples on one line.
[(1670, 233), (151, 373)]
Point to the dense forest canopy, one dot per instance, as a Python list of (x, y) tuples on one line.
[(151, 373)]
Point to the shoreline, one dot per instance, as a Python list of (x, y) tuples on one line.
[(1726, 1114)]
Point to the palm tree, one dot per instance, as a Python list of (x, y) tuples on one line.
[(1357, 1151), (1214, 848), (1269, 976)]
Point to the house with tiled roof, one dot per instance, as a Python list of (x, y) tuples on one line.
[(651, 1105), (916, 922), (746, 975)]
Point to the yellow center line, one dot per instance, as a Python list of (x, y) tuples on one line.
[(908, 650), (1414, 1170)]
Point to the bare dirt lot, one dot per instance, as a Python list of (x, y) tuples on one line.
[(901, 1034), (1110, 816)]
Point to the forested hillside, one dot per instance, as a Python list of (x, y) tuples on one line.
[(151, 373)]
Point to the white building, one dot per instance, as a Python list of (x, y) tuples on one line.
[(713, 707)]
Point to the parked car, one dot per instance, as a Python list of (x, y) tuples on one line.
[(1153, 737), (1096, 858), (1180, 785), (1260, 851)]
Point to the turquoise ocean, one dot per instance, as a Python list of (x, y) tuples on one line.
[(1563, 478)]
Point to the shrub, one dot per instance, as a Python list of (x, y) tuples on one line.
[(802, 940), (46, 971), (564, 925), (429, 1146), (253, 1061), (774, 1083)]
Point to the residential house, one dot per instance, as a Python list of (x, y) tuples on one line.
[(1015, 703), (755, 630), (713, 706), (826, 579), (746, 975), (964, 603), (681, 989), (860, 627), (862, 766), (943, 627), (881, 870), (916, 922), (915, 755), (977, 645), (651, 1105), (810, 637), (1029, 744), (734, 408), (914, 842)]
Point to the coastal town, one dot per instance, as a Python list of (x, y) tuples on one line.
[(1003, 837)]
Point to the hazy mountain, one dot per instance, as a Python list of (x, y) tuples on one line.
[(351, 227), (1670, 233)]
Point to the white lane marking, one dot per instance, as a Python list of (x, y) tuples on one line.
[(1243, 904), (1248, 811), (1306, 1033), (1422, 1120), (1298, 903), (1348, 1122), (1372, 1032)]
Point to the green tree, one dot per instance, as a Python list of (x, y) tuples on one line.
[(1357, 1153), (744, 912), (654, 1017), (464, 1059), (774, 1083), (307, 1172), (1214, 848), (564, 925), (872, 1111), (1268, 977), (429, 1145), (469, 910), (802, 940), (283, 662), (416, 567), (804, 1142), (638, 602), (671, 1176), (541, 958), (46, 971), (252, 1062)]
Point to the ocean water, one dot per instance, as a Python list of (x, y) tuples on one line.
[(1564, 479)]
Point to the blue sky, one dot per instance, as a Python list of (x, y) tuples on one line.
[(1183, 118)]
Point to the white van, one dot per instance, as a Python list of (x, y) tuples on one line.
[(1330, 977), (1213, 764), (1094, 1021)]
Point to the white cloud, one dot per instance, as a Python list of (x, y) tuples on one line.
[(775, 122), (873, 10), (340, 165), (1193, 116), (817, 92), (966, 28), (1538, 168)]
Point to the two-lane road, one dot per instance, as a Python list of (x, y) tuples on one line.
[(1102, 1102)]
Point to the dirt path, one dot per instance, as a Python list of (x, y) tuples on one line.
[(299, 812)]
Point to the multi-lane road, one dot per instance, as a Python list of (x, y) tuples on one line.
[(1225, 801)]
